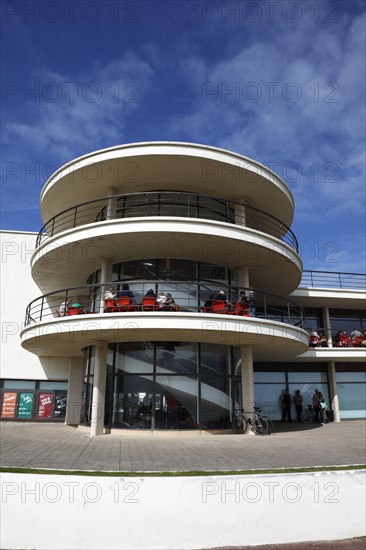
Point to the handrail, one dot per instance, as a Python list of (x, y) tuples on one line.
[(166, 203), (192, 299), (333, 279)]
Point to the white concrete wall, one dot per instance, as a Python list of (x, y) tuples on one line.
[(167, 513), (17, 290)]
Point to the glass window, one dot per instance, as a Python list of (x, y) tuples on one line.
[(351, 377), (270, 377), (340, 320), (53, 385), (133, 399), (19, 384), (313, 377), (177, 395), (177, 358), (135, 357), (267, 396), (352, 399)]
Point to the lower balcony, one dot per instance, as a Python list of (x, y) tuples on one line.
[(64, 322)]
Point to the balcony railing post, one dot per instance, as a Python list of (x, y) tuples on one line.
[(41, 313), (75, 214), (340, 279)]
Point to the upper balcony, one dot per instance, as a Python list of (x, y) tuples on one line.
[(273, 325), (188, 167), (156, 224), (332, 289)]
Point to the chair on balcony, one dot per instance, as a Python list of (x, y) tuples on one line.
[(240, 309), (125, 304), (110, 306), (357, 342), (219, 307), (345, 341), (149, 304)]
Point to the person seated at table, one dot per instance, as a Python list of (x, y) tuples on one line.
[(76, 305), (314, 339), (356, 334), (150, 293), (221, 297), (64, 307), (241, 304), (126, 292), (110, 294), (323, 340), (161, 300), (169, 303)]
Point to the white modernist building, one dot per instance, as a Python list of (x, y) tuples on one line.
[(88, 339)]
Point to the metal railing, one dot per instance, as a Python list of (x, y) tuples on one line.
[(333, 279), (167, 203), (189, 296)]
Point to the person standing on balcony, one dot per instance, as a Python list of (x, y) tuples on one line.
[(251, 301)]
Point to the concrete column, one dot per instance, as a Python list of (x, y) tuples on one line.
[(240, 216), (74, 390), (243, 277), (332, 379), (327, 326), (105, 277), (247, 379), (112, 204), (99, 384)]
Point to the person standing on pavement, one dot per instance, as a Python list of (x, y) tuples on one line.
[(297, 401), (316, 404), (286, 406)]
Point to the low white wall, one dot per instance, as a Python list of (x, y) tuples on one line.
[(75, 512)]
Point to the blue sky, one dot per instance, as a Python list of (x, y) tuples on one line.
[(282, 82)]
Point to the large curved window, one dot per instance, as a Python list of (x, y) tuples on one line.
[(168, 385)]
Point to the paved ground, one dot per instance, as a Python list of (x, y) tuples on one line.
[(36, 445)]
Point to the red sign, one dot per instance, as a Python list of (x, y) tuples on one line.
[(9, 402), (44, 405)]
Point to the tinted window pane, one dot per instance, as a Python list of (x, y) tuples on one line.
[(313, 377), (19, 384), (351, 377)]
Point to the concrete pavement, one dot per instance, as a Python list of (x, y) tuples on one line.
[(57, 446)]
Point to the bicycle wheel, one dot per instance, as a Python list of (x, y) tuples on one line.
[(260, 426), (307, 416), (269, 423)]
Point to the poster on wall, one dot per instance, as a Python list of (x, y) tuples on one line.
[(25, 405), (44, 405), (60, 404), (9, 403)]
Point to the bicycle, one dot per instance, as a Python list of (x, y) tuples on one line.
[(261, 425), (308, 415)]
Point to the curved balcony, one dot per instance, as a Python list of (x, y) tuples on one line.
[(190, 167), (273, 323), (166, 203)]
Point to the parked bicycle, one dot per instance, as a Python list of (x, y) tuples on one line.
[(308, 415), (260, 424)]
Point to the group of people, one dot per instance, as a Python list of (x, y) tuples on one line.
[(287, 401), (356, 339), (69, 303), (246, 303)]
